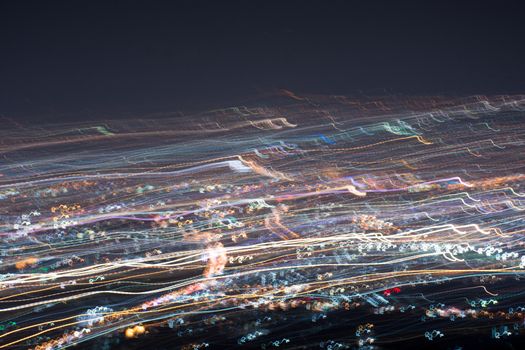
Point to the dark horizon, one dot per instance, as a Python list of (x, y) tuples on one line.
[(74, 60)]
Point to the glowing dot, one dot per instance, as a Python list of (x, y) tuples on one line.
[(139, 329), (130, 333)]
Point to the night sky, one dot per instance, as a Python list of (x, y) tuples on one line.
[(84, 59)]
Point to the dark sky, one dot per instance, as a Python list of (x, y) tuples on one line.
[(117, 57)]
